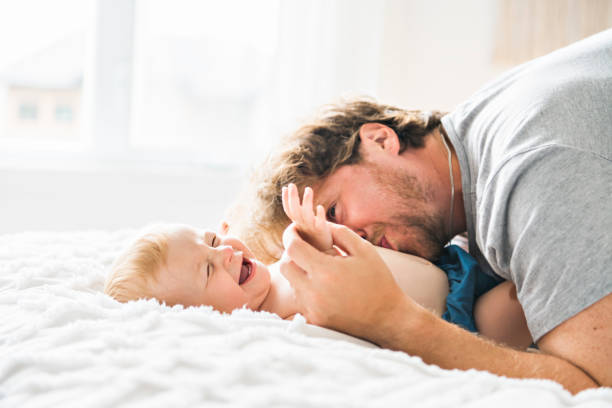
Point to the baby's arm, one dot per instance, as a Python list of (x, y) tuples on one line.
[(312, 227), (500, 317), (418, 278)]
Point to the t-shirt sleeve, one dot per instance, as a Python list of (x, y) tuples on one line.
[(545, 222)]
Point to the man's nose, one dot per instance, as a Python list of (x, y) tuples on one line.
[(363, 227), (362, 231)]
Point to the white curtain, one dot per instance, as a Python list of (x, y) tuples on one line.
[(327, 50), (528, 29)]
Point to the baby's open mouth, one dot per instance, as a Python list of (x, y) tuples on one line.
[(245, 270)]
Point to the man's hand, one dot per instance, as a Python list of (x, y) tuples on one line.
[(355, 294)]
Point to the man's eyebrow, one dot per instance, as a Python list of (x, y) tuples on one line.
[(327, 202), (321, 199)]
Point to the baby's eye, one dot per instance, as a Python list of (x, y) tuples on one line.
[(331, 213), (209, 272)]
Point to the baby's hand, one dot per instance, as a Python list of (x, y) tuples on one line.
[(312, 227)]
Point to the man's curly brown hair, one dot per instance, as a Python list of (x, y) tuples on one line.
[(307, 157)]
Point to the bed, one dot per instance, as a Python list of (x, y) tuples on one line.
[(63, 343)]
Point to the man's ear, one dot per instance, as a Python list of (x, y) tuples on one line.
[(223, 228), (376, 137)]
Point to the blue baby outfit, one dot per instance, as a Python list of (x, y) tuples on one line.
[(466, 282)]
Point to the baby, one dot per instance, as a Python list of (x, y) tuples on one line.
[(184, 265)]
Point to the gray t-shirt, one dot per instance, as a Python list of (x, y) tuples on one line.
[(535, 151)]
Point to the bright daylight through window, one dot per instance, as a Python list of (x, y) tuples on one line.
[(171, 80), (201, 71), (42, 63)]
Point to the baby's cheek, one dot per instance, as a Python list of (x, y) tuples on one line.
[(161, 294), (229, 298)]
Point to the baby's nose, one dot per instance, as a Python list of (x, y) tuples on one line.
[(224, 255)]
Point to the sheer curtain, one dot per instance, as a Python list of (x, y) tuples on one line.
[(327, 50), (179, 96), (528, 29)]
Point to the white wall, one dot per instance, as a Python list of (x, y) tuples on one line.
[(437, 52), (432, 55), (65, 199)]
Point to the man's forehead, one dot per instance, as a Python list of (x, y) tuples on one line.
[(321, 193), (328, 190)]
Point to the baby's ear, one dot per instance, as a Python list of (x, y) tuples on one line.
[(223, 228)]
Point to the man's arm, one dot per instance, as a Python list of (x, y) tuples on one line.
[(568, 362), (356, 294)]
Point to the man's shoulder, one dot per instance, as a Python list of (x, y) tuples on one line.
[(543, 222), (554, 178), (562, 95), (535, 195)]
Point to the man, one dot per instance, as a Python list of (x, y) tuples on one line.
[(524, 166)]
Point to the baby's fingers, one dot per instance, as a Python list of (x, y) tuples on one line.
[(307, 207), (320, 217), (287, 207), (285, 199), (294, 204)]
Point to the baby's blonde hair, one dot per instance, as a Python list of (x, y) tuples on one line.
[(135, 270)]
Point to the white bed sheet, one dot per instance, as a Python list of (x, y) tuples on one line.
[(63, 343)]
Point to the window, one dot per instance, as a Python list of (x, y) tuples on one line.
[(42, 61), (180, 81), (201, 71), (63, 113), (28, 112)]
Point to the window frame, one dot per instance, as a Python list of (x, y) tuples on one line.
[(105, 116), (106, 104)]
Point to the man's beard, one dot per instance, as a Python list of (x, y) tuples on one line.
[(424, 235), (422, 228)]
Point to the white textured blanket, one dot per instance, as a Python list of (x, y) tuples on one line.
[(65, 344)]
